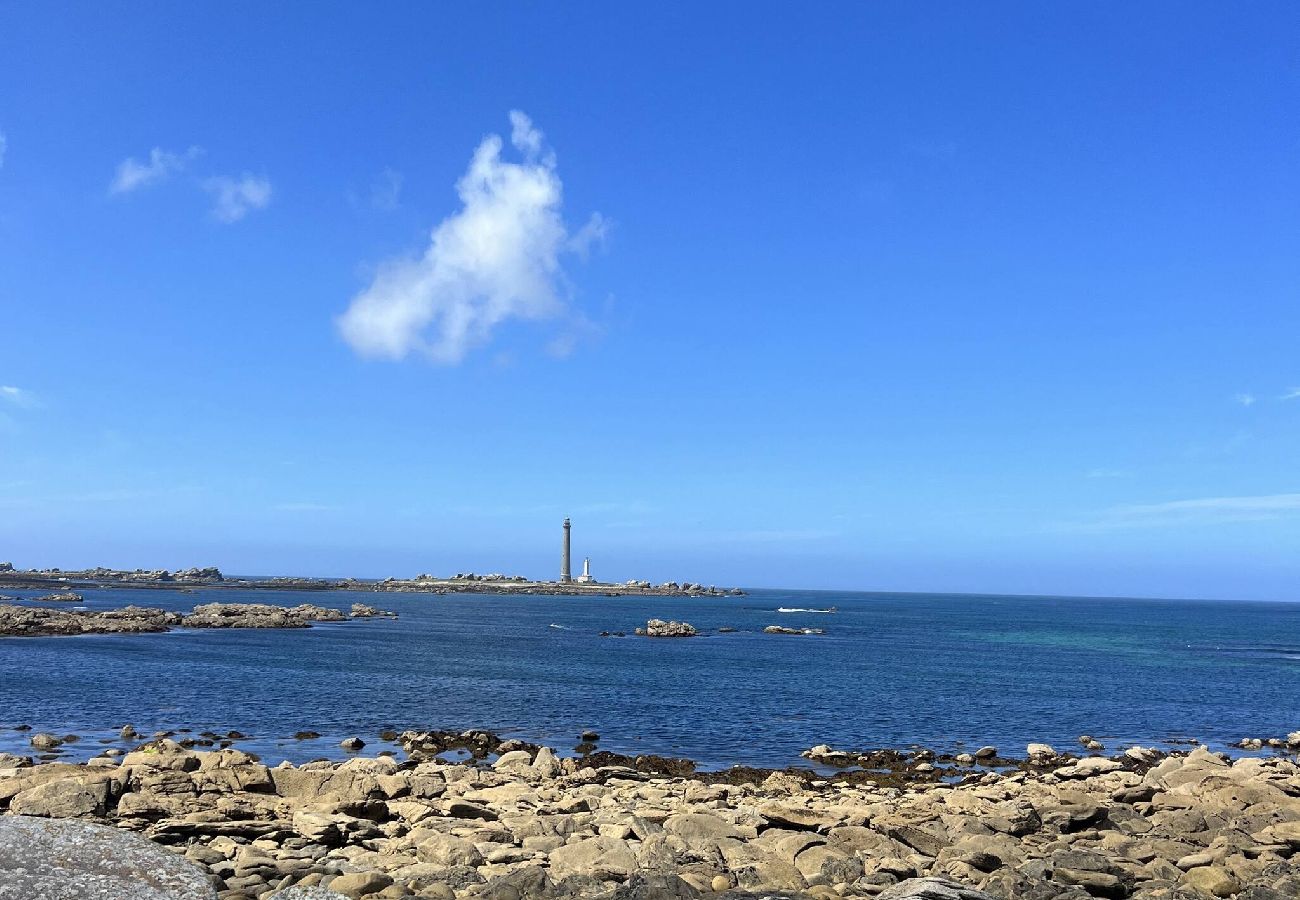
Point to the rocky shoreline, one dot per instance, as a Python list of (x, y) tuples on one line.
[(37, 621), (513, 820), (211, 578)]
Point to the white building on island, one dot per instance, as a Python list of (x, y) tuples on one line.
[(586, 576)]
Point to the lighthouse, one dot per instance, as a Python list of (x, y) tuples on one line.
[(586, 577), (565, 575)]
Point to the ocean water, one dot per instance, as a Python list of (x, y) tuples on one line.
[(891, 670)]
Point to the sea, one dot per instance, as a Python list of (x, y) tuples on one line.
[(890, 670)]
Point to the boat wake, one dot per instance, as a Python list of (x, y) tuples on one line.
[(799, 609)]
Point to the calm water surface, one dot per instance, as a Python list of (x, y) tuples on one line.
[(891, 670)]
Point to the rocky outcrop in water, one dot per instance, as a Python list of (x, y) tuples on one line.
[(61, 597), (782, 629), (660, 628), (362, 611), (526, 824), (259, 615), (26, 621)]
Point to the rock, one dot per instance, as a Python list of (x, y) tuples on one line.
[(69, 860), (360, 884), (782, 629), (986, 753), (61, 597), (931, 889), (660, 628), (309, 892), (64, 798), (1212, 880), (513, 760), (352, 744), (258, 615), (589, 736), (460, 809), (446, 850), (1040, 752), (43, 741), (362, 611), (1098, 884), (545, 763), (601, 858), (700, 830), (1089, 767)]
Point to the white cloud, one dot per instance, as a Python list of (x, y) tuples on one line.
[(1199, 511), (234, 198), (1244, 399), (1106, 473), (497, 258), (1293, 394), (17, 396), (132, 174), (4, 145)]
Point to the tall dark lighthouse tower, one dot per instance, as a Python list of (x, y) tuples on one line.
[(565, 575)]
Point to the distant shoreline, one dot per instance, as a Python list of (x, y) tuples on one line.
[(212, 579)]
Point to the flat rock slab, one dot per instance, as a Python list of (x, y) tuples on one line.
[(61, 859), (931, 889)]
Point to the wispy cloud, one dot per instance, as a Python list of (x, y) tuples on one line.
[(1107, 473), (1292, 394), (386, 192), (498, 258), (1198, 511), (17, 396), (4, 145), (1244, 399), (132, 174), (234, 198)]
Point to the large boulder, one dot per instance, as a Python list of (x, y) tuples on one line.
[(602, 858), (68, 860), (445, 849), (65, 798)]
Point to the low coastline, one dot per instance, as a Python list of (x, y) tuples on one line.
[(211, 578), (512, 819)]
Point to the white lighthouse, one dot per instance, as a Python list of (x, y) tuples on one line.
[(585, 577)]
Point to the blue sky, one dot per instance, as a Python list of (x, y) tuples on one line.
[(941, 296)]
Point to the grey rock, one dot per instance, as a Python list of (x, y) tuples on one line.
[(69, 860), (660, 628), (931, 889)]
